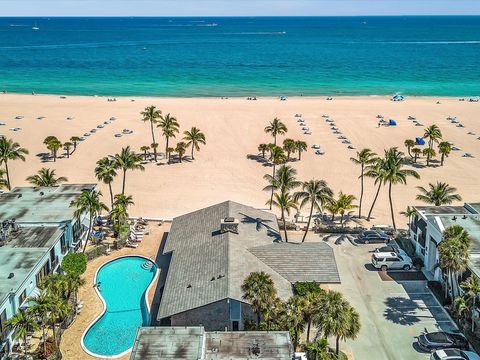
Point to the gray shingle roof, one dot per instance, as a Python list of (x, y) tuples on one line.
[(209, 266), (300, 262)]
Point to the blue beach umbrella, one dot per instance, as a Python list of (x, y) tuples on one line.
[(419, 141), (392, 122)]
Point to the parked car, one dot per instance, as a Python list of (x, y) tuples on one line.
[(387, 229), (437, 340), (371, 236), (389, 248), (391, 261), (454, 354), (300, 356)]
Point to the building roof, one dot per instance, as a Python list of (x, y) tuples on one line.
[(41, 204), (194, 343), (208, 266), (442, 210)]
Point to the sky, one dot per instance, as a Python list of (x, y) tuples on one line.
[(236, 7)]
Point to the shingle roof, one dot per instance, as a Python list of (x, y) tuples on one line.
[(209, 266), (300, 262)]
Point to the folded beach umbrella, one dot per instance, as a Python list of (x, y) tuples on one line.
[(419, 141), (392, 122)]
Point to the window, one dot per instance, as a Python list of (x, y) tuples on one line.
[(63, 244), (44, 271), (235, 310), (22, 297), (77, 230), (3, 318)]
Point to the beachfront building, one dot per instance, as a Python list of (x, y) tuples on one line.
[(214, 249), (426, 229), (37, 229), (194, 343)]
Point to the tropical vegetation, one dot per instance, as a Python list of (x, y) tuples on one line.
[(10, 151), (438, 194), (46, 177)]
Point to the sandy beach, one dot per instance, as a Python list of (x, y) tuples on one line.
[(234, 127)]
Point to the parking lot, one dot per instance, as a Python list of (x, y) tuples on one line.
[(394, 306)]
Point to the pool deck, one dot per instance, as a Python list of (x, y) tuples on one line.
[(149, 247)]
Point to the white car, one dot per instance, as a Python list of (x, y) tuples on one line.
[(300, 356), (454, 354), (391, 261)]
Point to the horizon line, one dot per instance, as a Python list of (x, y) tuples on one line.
[(235, 16)]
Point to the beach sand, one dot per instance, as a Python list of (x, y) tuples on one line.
[(234, 128)]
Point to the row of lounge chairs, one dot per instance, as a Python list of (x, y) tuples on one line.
[(337, 131), (137, 232)]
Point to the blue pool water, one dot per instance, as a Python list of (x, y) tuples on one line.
[(242, 56), (123, 286)]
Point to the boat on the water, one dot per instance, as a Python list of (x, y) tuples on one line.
[(35, 27)]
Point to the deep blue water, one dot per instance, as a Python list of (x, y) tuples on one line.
[(241, 56)]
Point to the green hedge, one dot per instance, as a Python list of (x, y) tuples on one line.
[(307, 287), (96, 252)]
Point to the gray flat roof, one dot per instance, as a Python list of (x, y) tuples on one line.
[(193, 343), (33, 237), (41, 204), (438, 210)]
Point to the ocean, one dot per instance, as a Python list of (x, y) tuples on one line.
[(186, 57)]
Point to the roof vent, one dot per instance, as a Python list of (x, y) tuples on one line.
[(189, 286), (229, 224), (11, 275)]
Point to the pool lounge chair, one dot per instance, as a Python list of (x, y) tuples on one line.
[(131, 245)]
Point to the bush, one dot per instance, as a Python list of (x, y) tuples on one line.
[(97, 251), (418, 262), (74, 264), (307, 287)]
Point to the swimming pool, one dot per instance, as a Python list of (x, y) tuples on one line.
[(124, 284)]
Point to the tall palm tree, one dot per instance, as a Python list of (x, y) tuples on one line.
[(119, 213), (127, 160), (123, 200), (180, 149), (258, 289), (416, 153), (151, 114), (284, 180), (54, 145), (332, 207), (277, 157), (46, 177), (23, 323), (311, 304), (444, 148), (433, 134), (169, 126), (289, 147), (377, 172), (344, 204), (194, 137), (105, 171), (41, 310), (315, 193), (429, 153), (396, 174), (59, 310), (285, 202), (294, 319), (471, 286), (263, 148), (409, 212), (365, 157), (145, 149), (68, 145), (409, 144), (276, 127), (75, 140), (438, 194), (88, 202), (10, 150), (300, 146), (351, 327)]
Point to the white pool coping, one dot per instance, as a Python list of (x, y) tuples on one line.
[(105, 306)]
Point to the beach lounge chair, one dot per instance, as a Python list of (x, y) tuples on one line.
[(325, 116), (298, 115), (351, 147), (336, 132), (131, 245), (468, 155), (346, 142), (412, 117), (342, 137), (86, 134), (379, 116), (308, 132), (113, 118), (2, 124), (118, 135), (471, 133), (70, 118), (19, 117), (315, 146), (460, 125)]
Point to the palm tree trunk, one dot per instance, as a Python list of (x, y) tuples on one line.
[(309, 324), (361, 195), (25, 345), (44, 340), (299, 155), (88, 233), (273, 177), (166, 149), (341, 219), (441, 161), (194, 158), (275, 140), (8, 176), (153, 138), (391, 205), (337, 345), (374, 201), (123, 181), (308, 224), (284, 226), (111, 193)]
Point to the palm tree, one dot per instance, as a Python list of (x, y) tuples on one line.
[(318, 350), (433, 134), (105, 171), (377, 172), (127, 160), (409, 144), (75, 140), (194, 137), (285, 202), (180, 149), (315, 193), (351, 327), (170, 150), (332, 207), (10, 150), (59, 310), (284, 180), (395, 174), (23, 323), (46, 177), (88, 202), (300, 146), (151, 114), (169, 126), (277, 157), (344, 204), (416, 153), (293, 318), (444, 148), (289, 147), (438, 194), (263, 148), (154, 146), (119, 213), (54, 145), (365, 157), (409, 212), (68, 145), (145, 149), (472, 288), (41, 309), (259, 290), (429, 153), (311, 304), (276, 127)]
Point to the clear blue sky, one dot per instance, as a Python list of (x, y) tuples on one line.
[(236, 7)]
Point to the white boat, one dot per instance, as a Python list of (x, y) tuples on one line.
[(35, 27)]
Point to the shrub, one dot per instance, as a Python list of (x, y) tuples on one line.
[(307, 287), (74, 264), (418, 262), (97, 251)]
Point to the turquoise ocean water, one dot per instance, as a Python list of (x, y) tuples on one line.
[(241, 56)]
